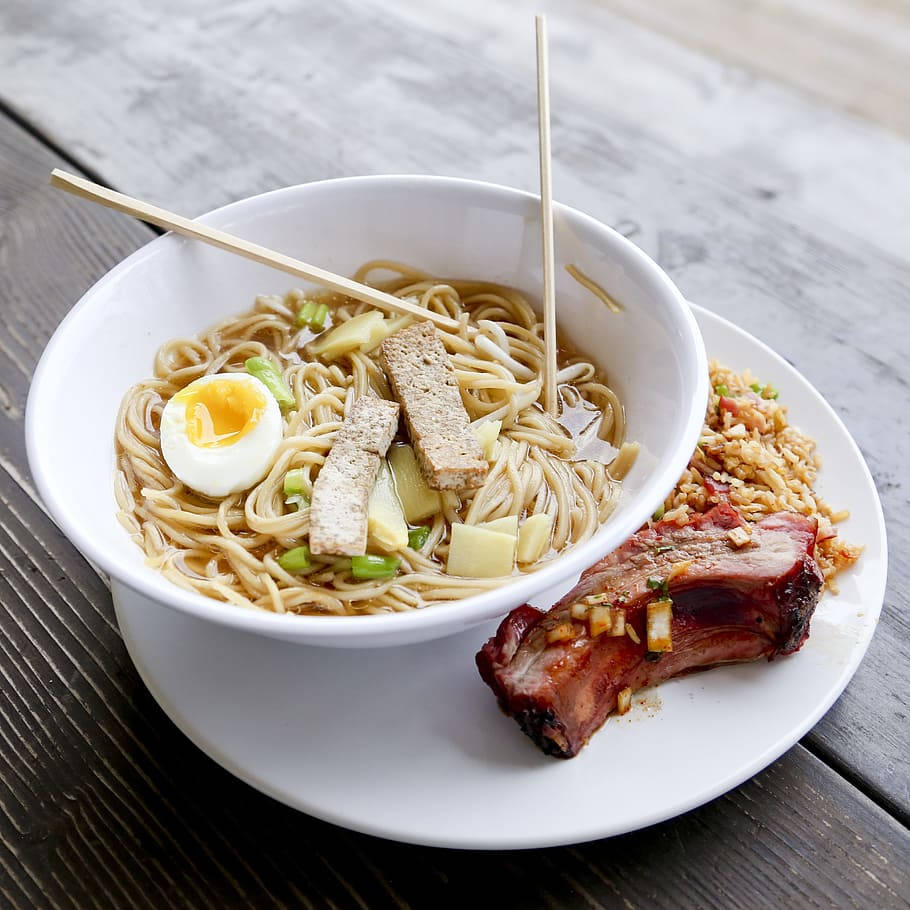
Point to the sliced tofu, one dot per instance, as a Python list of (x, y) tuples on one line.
[(424, 382), (476, 552), (341, 492)]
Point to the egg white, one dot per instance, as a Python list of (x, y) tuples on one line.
[(219, 470)]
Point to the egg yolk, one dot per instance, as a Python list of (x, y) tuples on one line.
[(220, 412)]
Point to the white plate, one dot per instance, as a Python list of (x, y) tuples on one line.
[(407, 742)]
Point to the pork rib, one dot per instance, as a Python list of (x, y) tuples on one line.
[(730, 603)]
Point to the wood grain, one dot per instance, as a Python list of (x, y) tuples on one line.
[(844, 52), (781, 215), (194, 110), (102, 802)]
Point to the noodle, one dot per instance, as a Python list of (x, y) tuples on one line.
[(228, 549), (593, 287)]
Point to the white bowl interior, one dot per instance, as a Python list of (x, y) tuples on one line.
[(172, 287)]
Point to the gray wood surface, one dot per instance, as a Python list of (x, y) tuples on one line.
[(102, 802), (197, 107), (843, 51)]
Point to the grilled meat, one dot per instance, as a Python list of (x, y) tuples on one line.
[(738, 592)]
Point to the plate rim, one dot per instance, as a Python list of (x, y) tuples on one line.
[(872, 603)]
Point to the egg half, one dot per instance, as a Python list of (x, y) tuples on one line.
[(220, 433)]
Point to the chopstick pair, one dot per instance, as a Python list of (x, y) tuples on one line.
[(550, 398), (152, 214)]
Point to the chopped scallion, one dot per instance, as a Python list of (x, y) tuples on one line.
[(317, 323), (298, 500), (267, 373), (294, 482), (367, 567), (295, 560), (665, 548), (658, 513), (312, 314), (306, 313), (659, 584), (765, 391), (721, 389), (417, 537)]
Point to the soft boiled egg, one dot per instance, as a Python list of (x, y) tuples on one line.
[(219, 434)]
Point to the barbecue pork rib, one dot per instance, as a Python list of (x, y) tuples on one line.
[(730, 603)]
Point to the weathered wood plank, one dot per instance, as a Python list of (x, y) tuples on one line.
[(104, 803), (195, 110), (841, 51), (716, 174)]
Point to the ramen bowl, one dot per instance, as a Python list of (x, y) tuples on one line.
[(652, 353)]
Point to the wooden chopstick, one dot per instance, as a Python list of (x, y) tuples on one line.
[(144, 211), (551, 402)]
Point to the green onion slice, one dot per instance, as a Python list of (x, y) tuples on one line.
[(306, 313), (418, 537), (317, 322), (295, 560), (721, 390), (298, 500), (267, 373), (659, 512), (659, 584), (294, 482), (370, 566), (312, 314)]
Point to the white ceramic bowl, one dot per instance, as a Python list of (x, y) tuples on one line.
[(653, 353)]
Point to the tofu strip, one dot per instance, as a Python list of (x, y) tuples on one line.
[(341, 492), (423, 380)]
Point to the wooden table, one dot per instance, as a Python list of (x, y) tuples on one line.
[(781, 213)]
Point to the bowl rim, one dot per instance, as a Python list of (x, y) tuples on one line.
[(460, 614)]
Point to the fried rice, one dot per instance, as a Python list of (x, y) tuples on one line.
[(749, 456)]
